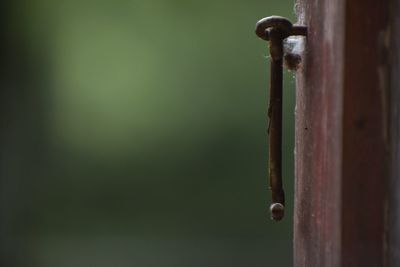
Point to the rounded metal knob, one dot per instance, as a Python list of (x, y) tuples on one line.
[(277, 211)]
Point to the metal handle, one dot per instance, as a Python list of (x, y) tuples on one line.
[(275, 29)]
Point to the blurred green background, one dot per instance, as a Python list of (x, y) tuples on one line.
[(134, 133)]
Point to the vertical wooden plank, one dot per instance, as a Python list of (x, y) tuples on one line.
[(318, 135), (393, 211), (342, 134), (365, 133)]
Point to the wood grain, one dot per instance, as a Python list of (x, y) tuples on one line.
[(344, 134)]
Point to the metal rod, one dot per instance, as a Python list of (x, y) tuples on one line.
[(275, 126), (275, 29)]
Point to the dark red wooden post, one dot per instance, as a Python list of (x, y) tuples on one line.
[(347, 135), (393, 207)]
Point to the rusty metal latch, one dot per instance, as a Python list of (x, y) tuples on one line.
[(275, 29)]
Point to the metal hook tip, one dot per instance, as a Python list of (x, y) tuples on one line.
[(277, 211)]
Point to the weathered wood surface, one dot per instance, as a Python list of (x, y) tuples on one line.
[(365, 133), (318, 136), (344, 135), (393, 248)]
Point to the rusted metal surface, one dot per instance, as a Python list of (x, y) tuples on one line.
[(274, 29), (342, 122), (275, 129)]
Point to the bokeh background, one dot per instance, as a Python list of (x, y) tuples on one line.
[(134, 133)]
